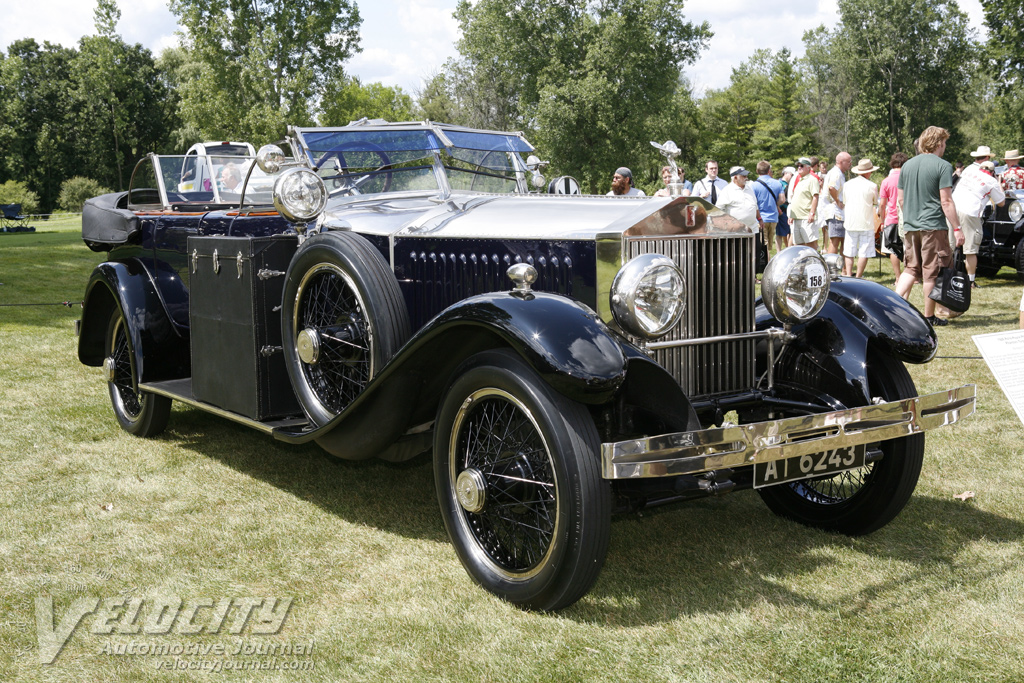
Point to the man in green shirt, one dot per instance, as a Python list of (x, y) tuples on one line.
[(925, 193)]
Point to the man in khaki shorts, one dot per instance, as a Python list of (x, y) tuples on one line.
[(926, 197), (803, 203), (971, 196)]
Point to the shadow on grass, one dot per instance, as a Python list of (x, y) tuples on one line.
[(719, 555), (712, 556), (398, 498)]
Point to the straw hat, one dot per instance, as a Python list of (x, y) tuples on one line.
[(864, 167), (982, 151), (1011, 154)]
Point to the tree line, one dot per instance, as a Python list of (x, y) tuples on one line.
[(591, 83)]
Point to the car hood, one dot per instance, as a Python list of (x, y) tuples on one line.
[(521, 217)]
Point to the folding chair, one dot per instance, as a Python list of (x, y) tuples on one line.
[(12, 220)]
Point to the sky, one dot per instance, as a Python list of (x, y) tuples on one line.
[(406, 41)]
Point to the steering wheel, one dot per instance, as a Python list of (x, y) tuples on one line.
[(483, 164), (346, 184)]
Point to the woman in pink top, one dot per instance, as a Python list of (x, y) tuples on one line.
[(887, 208)]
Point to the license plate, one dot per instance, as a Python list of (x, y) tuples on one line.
[(807, 466)]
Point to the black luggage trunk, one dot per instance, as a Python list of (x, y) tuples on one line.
[(235, 286)]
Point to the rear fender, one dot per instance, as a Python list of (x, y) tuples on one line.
[(160, 351)]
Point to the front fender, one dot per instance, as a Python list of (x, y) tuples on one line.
[(568, 346), (889, 320), (831, 350), (160, 352)]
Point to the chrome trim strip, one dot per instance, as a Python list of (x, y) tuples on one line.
[(726, 447), (265, 427), (773, 332)]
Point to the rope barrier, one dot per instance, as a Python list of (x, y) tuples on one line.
[(66, 304)]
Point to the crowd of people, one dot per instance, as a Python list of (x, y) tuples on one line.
[(933, 207)]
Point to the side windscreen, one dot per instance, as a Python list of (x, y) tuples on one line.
[(144, 191)]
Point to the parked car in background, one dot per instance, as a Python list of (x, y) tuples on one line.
[(389, 290), (1002, 230)]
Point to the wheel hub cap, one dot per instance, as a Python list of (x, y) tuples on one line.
[(308, 345), (471, 490), (109, 369)]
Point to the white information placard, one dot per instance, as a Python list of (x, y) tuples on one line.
[(1004, 353)]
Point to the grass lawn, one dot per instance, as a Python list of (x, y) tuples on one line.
[(716, 590)]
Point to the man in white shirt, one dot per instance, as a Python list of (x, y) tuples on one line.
[(710, 185), (971, 196), (622, 184), (739, 201), (833, 201), (981, 155), (859, 210)]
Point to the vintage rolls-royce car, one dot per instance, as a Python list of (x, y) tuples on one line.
[(1002, 229), (392, 290)]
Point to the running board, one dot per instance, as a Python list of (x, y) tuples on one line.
[(181, 390)]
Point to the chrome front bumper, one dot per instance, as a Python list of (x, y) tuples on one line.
[(728, 447)]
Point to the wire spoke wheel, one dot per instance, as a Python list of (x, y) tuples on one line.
[(329, 307), (862, 500), (122, 383), (836, 488), (343, 318), (138, 412), (518, 481), (495, 436)]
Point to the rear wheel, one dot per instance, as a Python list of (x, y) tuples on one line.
[(518, 482), (138, 412), (863, 500)]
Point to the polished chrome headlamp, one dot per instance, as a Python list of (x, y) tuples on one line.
[(647, 296), (795, 284), (1015, 210), (300, 195), (834, 263), (270, 159)]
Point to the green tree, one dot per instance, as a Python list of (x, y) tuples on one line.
[(37, 130), (16, 192), (347, 99), (760, 115), (1005, 66), (438, 100), (595, 80), (74, 192), (259, 65), (888, 70), (121, 110)]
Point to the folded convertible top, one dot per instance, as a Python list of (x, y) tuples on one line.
[(106, 222)]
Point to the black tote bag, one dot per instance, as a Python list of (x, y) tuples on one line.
[(953, 287)]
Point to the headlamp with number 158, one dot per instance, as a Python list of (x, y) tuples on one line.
[(795, 284)]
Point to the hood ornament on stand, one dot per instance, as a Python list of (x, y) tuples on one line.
[(670, 151)]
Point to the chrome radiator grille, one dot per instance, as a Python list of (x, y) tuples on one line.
[(719, 275)]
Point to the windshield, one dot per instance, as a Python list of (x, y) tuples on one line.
[(363, 161), (181, 182)]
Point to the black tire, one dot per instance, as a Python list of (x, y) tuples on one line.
[(1018, 260), (138, 412), (860, 501), (341, 297), (536, 525)]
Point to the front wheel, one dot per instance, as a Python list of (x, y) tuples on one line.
[(518, 482), (139, 413), (863, 500)]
